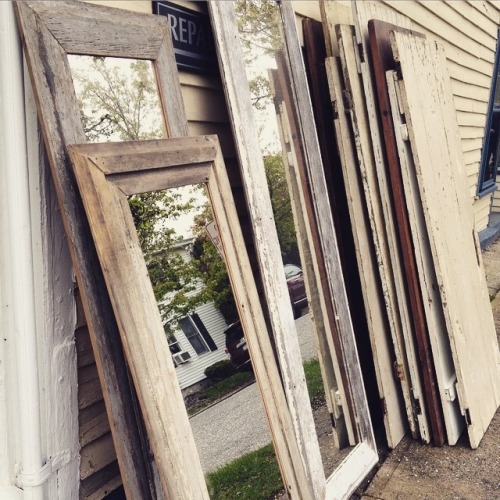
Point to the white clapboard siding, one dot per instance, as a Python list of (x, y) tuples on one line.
[(193, 371), (468, 33), (449, 221)]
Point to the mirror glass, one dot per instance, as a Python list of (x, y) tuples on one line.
[(118, 101), (261, 39), (185, 262), (118, 98)]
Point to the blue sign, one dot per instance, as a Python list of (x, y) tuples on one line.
[(191, 37)]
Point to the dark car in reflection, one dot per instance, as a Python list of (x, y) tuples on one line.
[(236, 344)]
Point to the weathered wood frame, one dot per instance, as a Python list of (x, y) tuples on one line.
[(364, 455), (106, 175), (50, 31)]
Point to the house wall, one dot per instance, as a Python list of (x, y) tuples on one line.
[(468, 31), (39, 450), (193, 371)]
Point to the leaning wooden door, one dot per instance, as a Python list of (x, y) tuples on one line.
[(426, 100)]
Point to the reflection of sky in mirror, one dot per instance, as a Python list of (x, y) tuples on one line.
[(118, 98), (127, 93)]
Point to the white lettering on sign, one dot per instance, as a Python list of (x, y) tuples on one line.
[(186, 31)]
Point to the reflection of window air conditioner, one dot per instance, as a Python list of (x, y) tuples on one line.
[(181, 357)]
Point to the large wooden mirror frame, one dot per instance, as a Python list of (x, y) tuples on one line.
[(106, 175), (364, 455), (50, 31)]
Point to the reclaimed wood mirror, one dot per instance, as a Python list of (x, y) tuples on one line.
[(313, 216), (107, 174)]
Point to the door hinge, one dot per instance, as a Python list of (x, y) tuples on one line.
[(347, 100), (450, 392)]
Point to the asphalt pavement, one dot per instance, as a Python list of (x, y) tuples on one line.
[(237, 425)]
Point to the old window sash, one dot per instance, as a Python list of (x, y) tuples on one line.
[(106, 175), (50, 31), (364, 455), (490, 153)]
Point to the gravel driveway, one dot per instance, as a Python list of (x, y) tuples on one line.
[(237, 425)]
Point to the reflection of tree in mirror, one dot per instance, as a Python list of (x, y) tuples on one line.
[(171, 275), (212, 268), (259, 35), (118, 99), (258, 24), (282, 208)]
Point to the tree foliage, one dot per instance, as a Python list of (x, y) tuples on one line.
[(120, 102), (282, 207)]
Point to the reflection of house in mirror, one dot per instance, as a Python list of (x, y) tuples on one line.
[(197, 340)]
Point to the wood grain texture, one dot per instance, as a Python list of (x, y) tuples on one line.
[(138, 318), (301, 466), (307, 234), (441, 350), (354, 386), (373, 36), (383, 351), (382, 227), (426, 97), (59, 117), (140, 325)]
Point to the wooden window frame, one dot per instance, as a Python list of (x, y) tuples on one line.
[(485, 187), (361, 459)]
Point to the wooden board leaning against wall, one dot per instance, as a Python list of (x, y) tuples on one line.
[(367, 252), (450, 226), (424, 299), (410, 303)]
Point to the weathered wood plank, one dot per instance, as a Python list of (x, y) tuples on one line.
[(307, 473), (98, 30), (95, 486), (378, 328), (308, 239), (378, 201), (450, 225), (438, 333), (96, 455), (374, 36), (94, 423), (141, 329)]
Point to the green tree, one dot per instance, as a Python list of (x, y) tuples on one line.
[(119, 101), (212, 268), (282, 207)]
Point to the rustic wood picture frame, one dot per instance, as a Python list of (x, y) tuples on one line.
[(364, 455), (106, 174)]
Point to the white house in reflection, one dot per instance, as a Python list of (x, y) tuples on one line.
[(199, 340)]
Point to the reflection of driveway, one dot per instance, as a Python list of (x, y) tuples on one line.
[(230, 429), (237, 425)]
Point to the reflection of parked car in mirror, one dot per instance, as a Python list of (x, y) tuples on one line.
[(236, 345), (296, 288)]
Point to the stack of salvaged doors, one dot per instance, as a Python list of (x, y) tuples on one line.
[(429, 318)]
